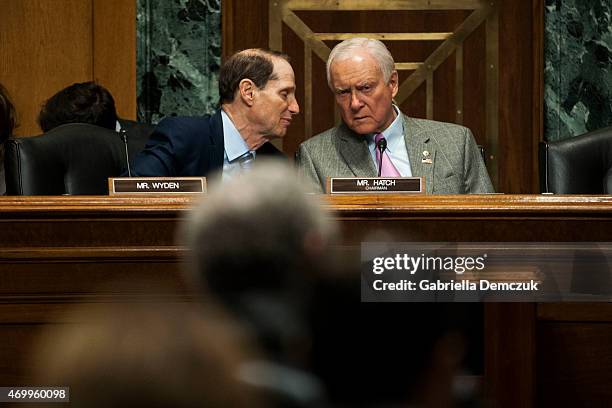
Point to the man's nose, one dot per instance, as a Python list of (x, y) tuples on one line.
[(356, 102), (294, 108)]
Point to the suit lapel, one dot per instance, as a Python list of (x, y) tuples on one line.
[(355, 152), (421, 152), (216, 141)]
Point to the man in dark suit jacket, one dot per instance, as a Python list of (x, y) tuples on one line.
[(257, 92)]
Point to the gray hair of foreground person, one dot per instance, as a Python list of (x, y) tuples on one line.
[(260, 232)]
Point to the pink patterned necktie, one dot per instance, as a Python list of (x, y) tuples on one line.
[(387, 167)]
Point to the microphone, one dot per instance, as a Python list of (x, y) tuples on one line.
[(381, 145), (123, 134)]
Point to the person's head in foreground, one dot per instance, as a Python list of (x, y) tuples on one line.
[(257, 91), (85, 102), (361, 74), (258, 242)]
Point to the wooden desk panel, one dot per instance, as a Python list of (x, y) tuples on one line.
[(57, 251)]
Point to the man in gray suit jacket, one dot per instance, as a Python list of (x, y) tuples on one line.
[(361, 73)]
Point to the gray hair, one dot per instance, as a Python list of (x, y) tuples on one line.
[(253, 233), (375, 48)]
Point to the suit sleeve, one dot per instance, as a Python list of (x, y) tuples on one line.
[(476, 177), (164, 151), (307, 169)]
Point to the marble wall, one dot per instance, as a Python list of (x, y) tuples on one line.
[(178, 57), (578, 67)]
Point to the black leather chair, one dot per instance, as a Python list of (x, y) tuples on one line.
[(69, 159), (580, 165)]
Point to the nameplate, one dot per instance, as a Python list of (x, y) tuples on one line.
[(375, 185), (156, 185)]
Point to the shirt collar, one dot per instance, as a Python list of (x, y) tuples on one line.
[(394, 133), (233, 142)]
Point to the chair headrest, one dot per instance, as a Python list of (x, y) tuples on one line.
[(579, 165), (69, 159)]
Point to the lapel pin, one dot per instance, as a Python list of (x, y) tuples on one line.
[(426, 159)]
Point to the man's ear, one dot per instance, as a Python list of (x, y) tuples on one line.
[(394, 83), (247, 91)]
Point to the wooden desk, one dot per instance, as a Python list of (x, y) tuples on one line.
[(57, 251)]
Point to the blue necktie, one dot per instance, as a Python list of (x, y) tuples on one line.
[(246, 160)]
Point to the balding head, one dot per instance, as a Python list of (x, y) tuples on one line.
[(255, 64)]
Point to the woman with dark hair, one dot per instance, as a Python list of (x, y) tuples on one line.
[(84, 102), (7, 124)]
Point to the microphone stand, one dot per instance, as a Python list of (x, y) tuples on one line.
[(381, 145), (123, 134)]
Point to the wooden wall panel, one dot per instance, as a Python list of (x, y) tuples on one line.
[(295, 133), (46, 45), (244, 25), (474, 88), (49, 44), (579, 355), (114, 51), (518, 145), (325, 102)]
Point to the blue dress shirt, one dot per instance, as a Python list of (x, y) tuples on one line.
[(234, 148)]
